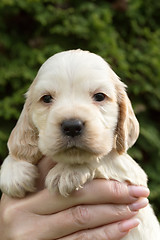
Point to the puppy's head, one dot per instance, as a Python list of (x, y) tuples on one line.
[(76, 110)]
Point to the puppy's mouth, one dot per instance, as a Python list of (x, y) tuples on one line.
[(74, 152), (74, 148)]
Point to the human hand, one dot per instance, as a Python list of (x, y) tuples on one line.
[(102, 210)]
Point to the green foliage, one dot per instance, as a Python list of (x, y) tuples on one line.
[(129, 39)]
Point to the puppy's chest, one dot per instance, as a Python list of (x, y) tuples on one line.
[(121, 168)]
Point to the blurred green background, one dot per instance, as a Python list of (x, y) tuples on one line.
[(125, 33)]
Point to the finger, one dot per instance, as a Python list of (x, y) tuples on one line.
[(44, 166), (84, 217), (98, 191), (114, 231)]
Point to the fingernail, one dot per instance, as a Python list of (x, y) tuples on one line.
[(138, 191), (141, 203), (128, 224)]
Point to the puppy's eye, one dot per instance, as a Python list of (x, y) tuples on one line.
[(47, 98), (99, 97)]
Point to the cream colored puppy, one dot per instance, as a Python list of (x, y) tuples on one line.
[(76, 112)]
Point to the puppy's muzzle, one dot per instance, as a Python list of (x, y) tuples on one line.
[(72, 127)]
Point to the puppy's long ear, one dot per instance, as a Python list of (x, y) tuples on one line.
[(128, 127), (23, 141)]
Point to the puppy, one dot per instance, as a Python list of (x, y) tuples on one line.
[(77, 113)]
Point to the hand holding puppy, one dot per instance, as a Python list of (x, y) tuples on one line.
[(99, 210)]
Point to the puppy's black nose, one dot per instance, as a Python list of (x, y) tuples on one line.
[(72, 127)]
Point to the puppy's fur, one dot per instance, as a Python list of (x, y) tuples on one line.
[(78, 88)]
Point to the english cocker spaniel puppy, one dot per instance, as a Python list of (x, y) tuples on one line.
[(77, 113)]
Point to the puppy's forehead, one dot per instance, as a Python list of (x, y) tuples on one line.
[(75, 68)]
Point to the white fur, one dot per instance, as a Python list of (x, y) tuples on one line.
[(17, 177), (110, 128)]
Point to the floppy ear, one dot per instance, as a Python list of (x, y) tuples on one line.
[(23, 141), (128, 127)]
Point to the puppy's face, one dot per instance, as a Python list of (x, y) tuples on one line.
[(75, 107), (76, 110)]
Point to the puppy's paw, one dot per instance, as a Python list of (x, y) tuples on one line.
[(17, 177), (53, 179), (68, 178)]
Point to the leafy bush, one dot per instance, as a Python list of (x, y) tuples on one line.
[(126, 35)]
